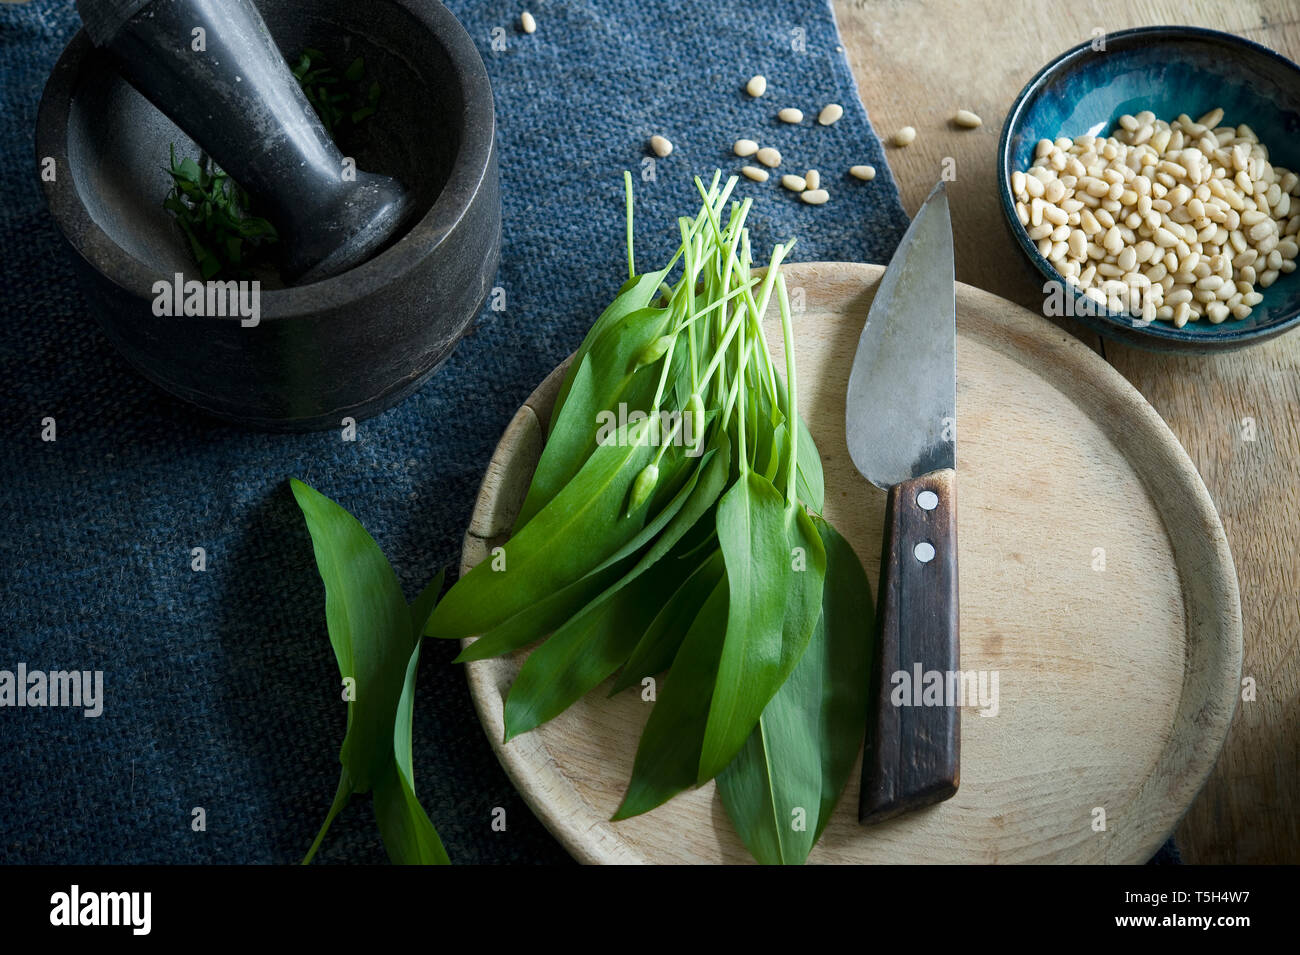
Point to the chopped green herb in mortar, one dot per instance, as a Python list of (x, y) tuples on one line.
[(226, 236)]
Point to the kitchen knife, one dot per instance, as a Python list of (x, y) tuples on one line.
[(900, 422)]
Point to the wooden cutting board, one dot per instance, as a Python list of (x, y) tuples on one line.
[(1095, 578)]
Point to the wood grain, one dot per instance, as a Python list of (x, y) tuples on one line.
[(1116, 681), (913, 759), (918, 61)]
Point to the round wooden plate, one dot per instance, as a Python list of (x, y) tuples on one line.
[(1095, 578)]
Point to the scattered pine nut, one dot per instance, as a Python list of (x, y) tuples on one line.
[(769, 157), (830, 114), (756, 86), (753, 172), (865, 173), (815, 197), (527, 22), (904, 136), (790, 115), (967, 120), (661, 146), (794, 183), (745, 147), (813, 179)]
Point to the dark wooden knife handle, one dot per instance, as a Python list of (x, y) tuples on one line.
[(912, 752)]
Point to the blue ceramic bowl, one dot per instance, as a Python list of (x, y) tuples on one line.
[(1167, 70)]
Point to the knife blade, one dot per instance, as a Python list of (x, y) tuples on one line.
[(900, 424)]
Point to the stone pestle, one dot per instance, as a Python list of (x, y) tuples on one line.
[(234, 95)]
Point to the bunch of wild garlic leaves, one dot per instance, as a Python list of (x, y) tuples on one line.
[(676, 535)]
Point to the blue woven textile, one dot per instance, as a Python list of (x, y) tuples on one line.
[(220, 687)]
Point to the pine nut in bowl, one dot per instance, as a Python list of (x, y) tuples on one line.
[(1154, 218)]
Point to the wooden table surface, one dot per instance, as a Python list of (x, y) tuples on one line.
[(916, 62)]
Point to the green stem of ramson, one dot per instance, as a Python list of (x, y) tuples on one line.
[(714, 306), (666, 440), (763, 373), (756, 315), (730, 398), (740, 411), (792, 389), (778, 253), (700, 221), (691, 278), (734, 227), (341, 797), (631, 258)]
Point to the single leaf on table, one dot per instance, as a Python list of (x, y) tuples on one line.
[(584, 525), (668, 753), (780, 791), (369, 627), (375, 637), (408, 834)]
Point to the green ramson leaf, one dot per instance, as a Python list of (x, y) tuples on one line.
[(809, 482), (636, 293), (782, 788), (755, 657), (409, 836), (536, 621), (775, 458), (607, 377), (552, 610), (369, 628), (659, 644), (541, 558), (587, 650), (422, 606), (668, 754), (849, 621), (374, 635)]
